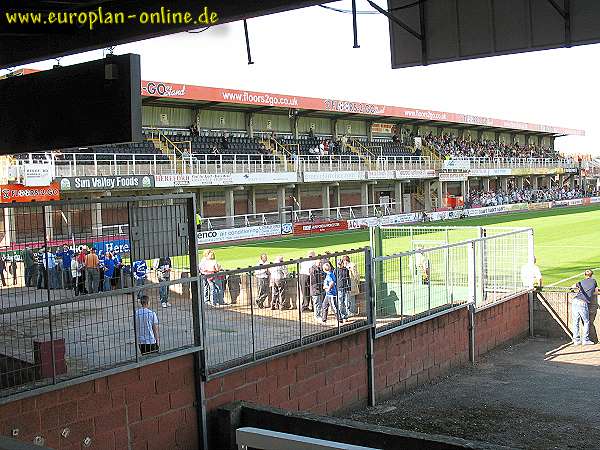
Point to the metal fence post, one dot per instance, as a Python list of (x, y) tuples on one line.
[(252, 317), (135, 293), (471, 309), (369, 297), (200, 363), (47, 279), (299, 300)]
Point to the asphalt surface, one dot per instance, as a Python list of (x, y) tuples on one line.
[(538, 394)]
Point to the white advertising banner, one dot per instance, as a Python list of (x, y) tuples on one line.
[(457, 164), (487, 210), (381, 175), (394, 219), (594, 199), (406, 174), (37, 174), (453, 176), (445, 215), (489, 172), (572, 202), (223, 179), (235, 234), (334, 176)]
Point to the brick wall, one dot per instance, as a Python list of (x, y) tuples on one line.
[(154, 407), (148, 408), (501, 324), (418, 354), (322, 380)]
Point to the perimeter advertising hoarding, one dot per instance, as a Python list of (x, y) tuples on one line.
[(487, 210), (106, 183), (407, 174), (10, 193), (225, 179), (334, 176), (303, 228), (453, 176), (395, 219), (238, 234)]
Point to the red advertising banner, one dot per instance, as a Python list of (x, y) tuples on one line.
[(10, 193), (320, 227), (189, 92)]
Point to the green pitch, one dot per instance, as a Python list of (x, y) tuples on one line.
[(567, 241)]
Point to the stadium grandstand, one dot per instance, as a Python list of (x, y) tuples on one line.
[(254, 158)]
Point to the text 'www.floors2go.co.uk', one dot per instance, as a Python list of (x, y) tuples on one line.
[(99, 17)]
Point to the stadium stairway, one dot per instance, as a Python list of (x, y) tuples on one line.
[(429, 151), (173, 150)]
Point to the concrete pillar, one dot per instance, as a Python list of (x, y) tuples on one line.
[(398, 197), (325, 200), (486, 184), (428, 195), (440, 193), (572, 182), (200, 202), (372, 194), (464, 191), (229, 207), (534, 182), (250, 124), (96, 213), (334, 132), (252, 200), (369, 130), (294, 125), (561, 180), (504, 183), (281, 203), (298, 197), (337, 196), (9, 227), (520, 182), (364, 198)]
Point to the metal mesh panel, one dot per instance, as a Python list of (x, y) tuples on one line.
[(425, 281), (253, 313), (71, 290)]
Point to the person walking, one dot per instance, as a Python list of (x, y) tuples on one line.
[(163, 273), (29, 263), (279, 276), (2, 269), (304, 280), (92, 271), (331, 291), (343, 285), (13, 270), (262, 275), (354, 285), (140, 271), (109, 271), (586, 289), (316, 288), (146, 323), (76, 278), (66, 254), (215, 282)]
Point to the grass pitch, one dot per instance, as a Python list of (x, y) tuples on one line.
[(567, 241)]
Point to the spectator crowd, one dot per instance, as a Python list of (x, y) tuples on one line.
[(450, 146), (478, 198)]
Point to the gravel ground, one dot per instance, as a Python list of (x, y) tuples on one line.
[(538, 394)]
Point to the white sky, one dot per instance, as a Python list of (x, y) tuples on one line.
[(309, 52)]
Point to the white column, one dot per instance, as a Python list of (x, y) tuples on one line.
[(96, 211), (9, 227), (200, 203), (486, 184), (398, 197), (428, 195), (504, 183), (325, 203), (252, 200), (534, 181), (520, 182), (281, 203), (364, 198), (229, 207)]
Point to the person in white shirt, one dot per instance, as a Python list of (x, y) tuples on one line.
[(262, 275), (146, 323), (304, 280), (278, 283), (531, 276)]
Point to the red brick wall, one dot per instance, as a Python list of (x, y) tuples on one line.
[(154, 407), (501, 324), (322, 380), (148, 408), (418, 354)]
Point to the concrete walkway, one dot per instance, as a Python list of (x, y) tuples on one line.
[(539, 394)]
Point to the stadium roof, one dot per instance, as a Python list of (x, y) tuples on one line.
[(173, 94)]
